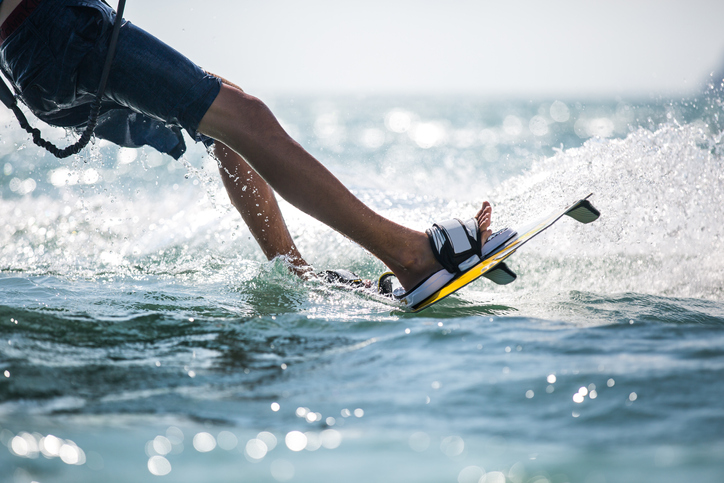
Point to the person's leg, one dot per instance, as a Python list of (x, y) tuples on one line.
[(246, 125), (255, 201), (152, 79)]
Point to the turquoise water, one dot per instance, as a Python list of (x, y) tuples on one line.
[(143, 336)]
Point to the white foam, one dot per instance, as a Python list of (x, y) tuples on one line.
[(660, 195)]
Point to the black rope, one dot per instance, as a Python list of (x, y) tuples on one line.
[(95, 107)]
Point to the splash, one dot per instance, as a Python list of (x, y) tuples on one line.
[(660, 193), (114, 213)]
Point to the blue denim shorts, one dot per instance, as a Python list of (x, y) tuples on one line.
[(55, 60)]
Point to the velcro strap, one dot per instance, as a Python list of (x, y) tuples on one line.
[(457, 235), (455, 244)]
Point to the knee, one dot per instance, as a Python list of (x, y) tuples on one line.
[(243, 105), (235, 114), (253, 109)]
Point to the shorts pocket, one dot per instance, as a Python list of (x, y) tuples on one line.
[(81, 32)]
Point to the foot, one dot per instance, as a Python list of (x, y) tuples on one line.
[(298, 266), (484, 216), (420, 261)]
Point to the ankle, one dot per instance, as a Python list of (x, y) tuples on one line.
[(415, 262)]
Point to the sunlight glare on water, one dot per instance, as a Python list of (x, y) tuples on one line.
[(138, 316)]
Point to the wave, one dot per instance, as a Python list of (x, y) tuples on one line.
[(660, 194)]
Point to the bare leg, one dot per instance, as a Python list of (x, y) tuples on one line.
[(246, 125), (255, 201)]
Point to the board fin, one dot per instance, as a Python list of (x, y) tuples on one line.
[(501, 274), (583, 211)]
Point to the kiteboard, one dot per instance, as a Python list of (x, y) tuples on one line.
[(498, 248), (504, 243)]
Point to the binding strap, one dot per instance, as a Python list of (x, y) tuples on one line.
[(456, 244), (343, 277)]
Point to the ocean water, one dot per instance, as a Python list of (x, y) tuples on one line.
[(144, 337)]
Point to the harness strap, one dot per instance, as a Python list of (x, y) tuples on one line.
[(9, 99)]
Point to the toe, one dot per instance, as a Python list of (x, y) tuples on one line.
[(486, 207), (484, 217)]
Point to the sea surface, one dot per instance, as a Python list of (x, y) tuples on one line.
[(144, 337)]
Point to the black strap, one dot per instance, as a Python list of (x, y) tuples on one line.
[(344, 277), (455, 244), (6, 96), (10, 101)]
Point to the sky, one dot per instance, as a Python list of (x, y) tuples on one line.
[(482, 48)]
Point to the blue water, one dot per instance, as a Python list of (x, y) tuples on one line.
[(144, 337)]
